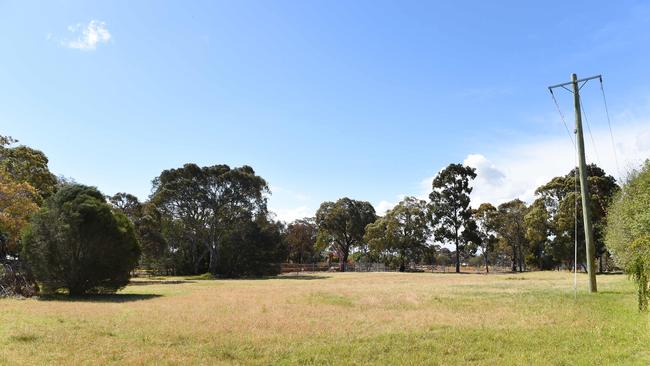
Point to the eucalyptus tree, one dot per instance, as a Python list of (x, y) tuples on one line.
[(403, 230), (25, 180), (147, 220), (129, 204), (511, 229), (450, 206), (342, 224), (18, 202), (202, 204), (24, 164), (562, 204), (300, 237), (537, 233), (485, 217)]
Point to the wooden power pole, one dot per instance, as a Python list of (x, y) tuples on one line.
[(584, 184)]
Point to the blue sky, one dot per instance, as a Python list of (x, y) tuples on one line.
[(324, 99)]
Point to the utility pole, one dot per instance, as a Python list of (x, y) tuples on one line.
[(584, 184)]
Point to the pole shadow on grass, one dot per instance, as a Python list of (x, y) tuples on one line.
[(105, 298)]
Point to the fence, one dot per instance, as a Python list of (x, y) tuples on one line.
[(381, 267)]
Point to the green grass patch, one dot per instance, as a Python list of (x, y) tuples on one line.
[(341, 318)]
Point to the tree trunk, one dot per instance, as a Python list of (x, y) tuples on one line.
[(487, 270), (600, 264), (457, 257), (514, 259), (343, 260), (212, 267)]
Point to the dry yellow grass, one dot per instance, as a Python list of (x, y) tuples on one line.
[(340, 318)]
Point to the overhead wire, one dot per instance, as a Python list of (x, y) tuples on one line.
[(591, 136), (575, 192), (575, 183), (609, 123), (557, 105)]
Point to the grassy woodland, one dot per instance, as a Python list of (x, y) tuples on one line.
[(336, 318)]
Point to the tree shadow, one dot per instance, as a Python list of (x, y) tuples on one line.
[(103, 298), (302, 277), (159, 282), (299, 277)]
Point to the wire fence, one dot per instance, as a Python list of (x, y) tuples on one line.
[(382, 267)]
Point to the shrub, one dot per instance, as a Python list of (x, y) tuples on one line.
[(79, 243), (16, 281), (628, 230)]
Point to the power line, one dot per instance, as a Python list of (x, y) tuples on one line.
[(593, 142), (609, 123), (562, 117)]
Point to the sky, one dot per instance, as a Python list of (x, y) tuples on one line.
[(324, 99)]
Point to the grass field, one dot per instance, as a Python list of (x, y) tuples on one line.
[(339, 318)]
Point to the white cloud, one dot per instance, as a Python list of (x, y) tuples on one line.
[(383, 206), (291, 214), (289, 205), (486, 171), (91, 34), (516, 170)]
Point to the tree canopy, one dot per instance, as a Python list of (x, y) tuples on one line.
[(559, 199), (450, 206), (202, 205), (511, 229), (26, 165), (342, 224), (485, 217), (404, 230), (17, 205), (300, 237)]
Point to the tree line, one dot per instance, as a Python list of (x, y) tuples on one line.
[(215, 219), (445, 228)]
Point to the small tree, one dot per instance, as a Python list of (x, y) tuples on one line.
[(628, 230), (79, 243)]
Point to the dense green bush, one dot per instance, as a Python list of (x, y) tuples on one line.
[(628, 230), (79, 243)]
